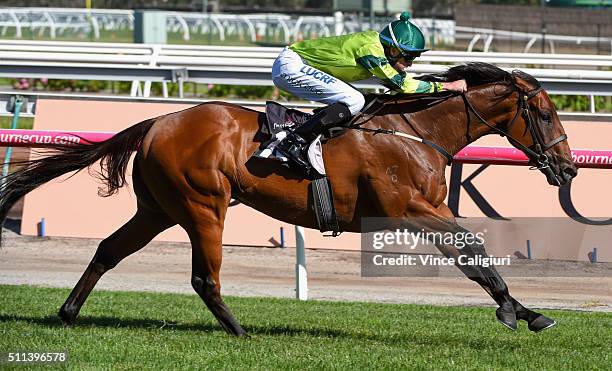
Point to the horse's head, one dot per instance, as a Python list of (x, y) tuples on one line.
[(536, 130), (520, 110)]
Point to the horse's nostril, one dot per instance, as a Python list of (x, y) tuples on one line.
[(568, 173)]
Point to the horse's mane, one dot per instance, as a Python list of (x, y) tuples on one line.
[(479, 73), (474, 73)]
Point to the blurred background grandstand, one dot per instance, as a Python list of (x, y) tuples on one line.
[(513, 23)]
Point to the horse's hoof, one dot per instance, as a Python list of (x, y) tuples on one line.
[(67, 318), (506, 316), (68, 323), (541, 323)]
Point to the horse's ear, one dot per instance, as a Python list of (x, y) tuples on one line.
[(521, 82)]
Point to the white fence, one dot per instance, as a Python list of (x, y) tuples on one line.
[(63, 21), (488, 35), (194, 55), (252, 65), (253, 27)]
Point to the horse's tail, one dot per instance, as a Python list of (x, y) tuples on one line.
[(113, 155)]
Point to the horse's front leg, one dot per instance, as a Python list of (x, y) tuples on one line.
[(440, 219)]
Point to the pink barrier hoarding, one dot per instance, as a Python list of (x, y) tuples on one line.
[(42, 138), (585, 158)]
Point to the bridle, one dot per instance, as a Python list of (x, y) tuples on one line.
[(537, 152)]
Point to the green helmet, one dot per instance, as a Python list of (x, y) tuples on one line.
[(403, 35)]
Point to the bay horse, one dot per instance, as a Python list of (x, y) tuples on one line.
[(190, 164)]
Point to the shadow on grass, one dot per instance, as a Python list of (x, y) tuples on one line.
[(429, 339), (138, 323), (113, 322)]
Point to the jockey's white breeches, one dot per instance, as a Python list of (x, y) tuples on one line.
[(293, 75)]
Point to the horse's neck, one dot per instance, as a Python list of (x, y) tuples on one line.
[(453, 126)]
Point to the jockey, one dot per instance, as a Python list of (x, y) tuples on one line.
[(320, 69)]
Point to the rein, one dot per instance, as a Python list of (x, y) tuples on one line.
[(351, 125)]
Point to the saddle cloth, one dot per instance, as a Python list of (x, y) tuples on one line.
[(279, 121)]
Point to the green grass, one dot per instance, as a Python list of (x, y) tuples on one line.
[(118, 330)]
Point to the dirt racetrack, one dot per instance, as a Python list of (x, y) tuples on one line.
[(252, 271)]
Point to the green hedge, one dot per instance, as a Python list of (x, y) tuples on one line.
[(581, 103)]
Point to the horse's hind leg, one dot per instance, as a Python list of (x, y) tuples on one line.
[(128, 239), (198, 201), (206, 261)]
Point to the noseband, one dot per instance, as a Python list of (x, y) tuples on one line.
[(538, 152)]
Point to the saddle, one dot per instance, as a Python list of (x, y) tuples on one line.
[(279, 121)]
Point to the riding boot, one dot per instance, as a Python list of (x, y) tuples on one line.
[(297, 141)]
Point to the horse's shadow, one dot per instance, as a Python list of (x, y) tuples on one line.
[(269, 330)]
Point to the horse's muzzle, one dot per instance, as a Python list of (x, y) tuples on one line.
[(568, 173), (560, 172)]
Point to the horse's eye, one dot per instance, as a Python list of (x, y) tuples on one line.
[(546, 116)]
